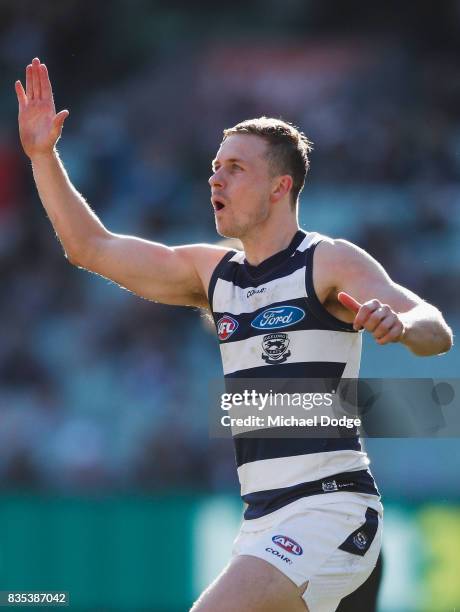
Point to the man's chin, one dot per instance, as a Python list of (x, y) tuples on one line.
[(227, 232)]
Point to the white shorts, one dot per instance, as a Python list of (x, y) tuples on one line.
[(332, 542)]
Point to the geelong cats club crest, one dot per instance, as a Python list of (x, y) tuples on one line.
[(275, 348)]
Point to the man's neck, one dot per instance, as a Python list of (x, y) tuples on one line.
[(265, 243)]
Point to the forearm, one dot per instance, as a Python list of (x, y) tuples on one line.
[(74, 222), (425, 331)]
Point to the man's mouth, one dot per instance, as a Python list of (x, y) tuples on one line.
[(217, 204)]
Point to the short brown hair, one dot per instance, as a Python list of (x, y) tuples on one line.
[(288, 147)]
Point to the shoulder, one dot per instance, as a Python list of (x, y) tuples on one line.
[(202, 253), (339, 255), (336, 261), (202, 259)]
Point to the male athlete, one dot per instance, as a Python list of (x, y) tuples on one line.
[(312, 527)]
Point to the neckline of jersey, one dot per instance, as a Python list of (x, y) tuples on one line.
[(274, 260)]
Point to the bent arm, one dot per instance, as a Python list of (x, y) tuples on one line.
[(171, 275), (388, 310)]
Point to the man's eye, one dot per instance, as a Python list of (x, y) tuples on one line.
[(236, 167)]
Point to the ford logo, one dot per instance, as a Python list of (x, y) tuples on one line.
[(277, 317)]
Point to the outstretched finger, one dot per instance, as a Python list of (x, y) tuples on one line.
[(36, 78), (21, 94), (348, 301), (29, 83), (45, 84)]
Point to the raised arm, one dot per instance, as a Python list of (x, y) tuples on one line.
[(367, 297), (172, 275)]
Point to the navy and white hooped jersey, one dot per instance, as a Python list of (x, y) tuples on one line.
[(271, 324)]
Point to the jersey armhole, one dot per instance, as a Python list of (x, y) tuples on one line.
[(313, 302), (215, 275)]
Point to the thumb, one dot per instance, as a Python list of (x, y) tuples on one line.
[(348, 301), (58, 121)]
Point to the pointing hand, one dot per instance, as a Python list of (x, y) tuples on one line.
[(373, 316)]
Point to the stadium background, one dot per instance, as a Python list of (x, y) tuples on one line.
[(110, 486)]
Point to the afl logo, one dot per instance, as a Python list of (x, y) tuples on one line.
[(275, 348), (277, 317), (287, 544), (225, 327)]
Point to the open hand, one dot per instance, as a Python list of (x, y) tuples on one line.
[(375, 317), (39, 125)]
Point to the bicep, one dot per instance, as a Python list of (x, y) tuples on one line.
[(170, 275), (360, 275)]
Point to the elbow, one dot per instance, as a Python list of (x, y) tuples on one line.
[(81, 254), (444, 342), (447, 341), (76, 257), (71, 258), (439, 344), (426, 352)]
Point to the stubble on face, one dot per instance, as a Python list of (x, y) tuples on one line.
[(240, 224)]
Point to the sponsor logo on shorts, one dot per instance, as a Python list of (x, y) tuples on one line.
[(279, 555), (275, 348), (329, 485), (289, 545), (278, 317), (360, 540), (226, 326), (252, 292)]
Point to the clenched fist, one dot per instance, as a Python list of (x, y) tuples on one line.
[(373, 316)]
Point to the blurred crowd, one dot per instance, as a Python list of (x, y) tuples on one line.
[(102, 390)]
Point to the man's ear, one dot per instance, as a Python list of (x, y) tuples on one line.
[(281, 187)]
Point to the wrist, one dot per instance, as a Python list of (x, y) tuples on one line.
[(403, 337), (43, 156)]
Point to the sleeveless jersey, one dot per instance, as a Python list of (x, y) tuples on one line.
[(305, 341)]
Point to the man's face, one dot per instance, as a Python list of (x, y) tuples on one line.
[(240, 185)]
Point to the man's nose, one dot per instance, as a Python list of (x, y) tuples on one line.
[(215, 180)]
